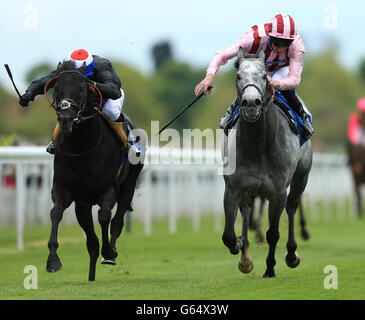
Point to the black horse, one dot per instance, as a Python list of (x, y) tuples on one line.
[(87, 168)]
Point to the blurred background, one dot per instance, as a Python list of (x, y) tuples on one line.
[(161, 50)]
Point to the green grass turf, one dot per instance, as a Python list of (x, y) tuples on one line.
[(186, 265)]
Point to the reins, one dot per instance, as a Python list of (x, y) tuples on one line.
[(93, 88), (268, 95), (67, 103)]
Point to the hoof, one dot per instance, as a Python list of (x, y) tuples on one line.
[(109, 254), (245, 266), (53, 265), (269, 274), (305, 234), (236, 249), (108, 261), (292, 263)]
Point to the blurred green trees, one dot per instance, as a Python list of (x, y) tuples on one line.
[(362, 69), (329, 90), (173, 85), (38, 71)]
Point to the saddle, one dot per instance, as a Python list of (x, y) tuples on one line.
[(121, 129), (294, 120)]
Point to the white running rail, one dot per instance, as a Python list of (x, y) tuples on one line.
[(170, 187)]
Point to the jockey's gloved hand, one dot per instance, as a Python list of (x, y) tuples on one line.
[(25, 98)]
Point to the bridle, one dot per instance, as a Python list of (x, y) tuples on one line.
[(67, 103), (265, 97)]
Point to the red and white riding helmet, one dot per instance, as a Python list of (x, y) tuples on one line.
[(361, 104), (79, 57), (283, 27)]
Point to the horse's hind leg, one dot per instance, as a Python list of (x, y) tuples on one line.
[(297, 187), (276, 207), (61, 200), (252, 224), (255, 223), (124, 203), (245, 264), (304, 231), (230, 211), (259, 237), (106, 203), (85, 219)]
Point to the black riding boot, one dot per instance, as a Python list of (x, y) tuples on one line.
[(297, 106), (226, 119)]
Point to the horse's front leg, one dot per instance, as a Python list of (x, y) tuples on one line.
[(61, 198), (106, 203), (276, 207), (245, 264), (85, 219), (231, 202)]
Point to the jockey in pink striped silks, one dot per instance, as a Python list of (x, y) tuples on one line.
[(283, 49), (356, 124)]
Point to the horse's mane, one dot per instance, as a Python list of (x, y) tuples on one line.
[(246, 56), (66, 65)]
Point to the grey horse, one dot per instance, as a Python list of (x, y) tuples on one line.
[(268, 159)]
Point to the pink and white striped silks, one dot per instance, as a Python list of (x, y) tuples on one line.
[(258, 38), (355, 132)]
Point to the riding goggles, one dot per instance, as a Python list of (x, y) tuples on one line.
[(282, 43)]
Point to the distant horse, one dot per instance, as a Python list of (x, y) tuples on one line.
[(254, 223), (86, 166), (268, 158), (356, 158)]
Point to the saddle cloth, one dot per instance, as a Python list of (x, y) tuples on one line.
[(291, 115), (120, 128), (295, 121)]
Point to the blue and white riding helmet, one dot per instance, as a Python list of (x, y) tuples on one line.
[(79, 57)]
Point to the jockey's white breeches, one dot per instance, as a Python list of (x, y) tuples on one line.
[(281, 74), (113, 108)]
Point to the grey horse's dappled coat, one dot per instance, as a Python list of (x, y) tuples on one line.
[(268, 159)]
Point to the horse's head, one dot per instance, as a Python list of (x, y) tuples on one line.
[(71, 95), (252, 85)]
